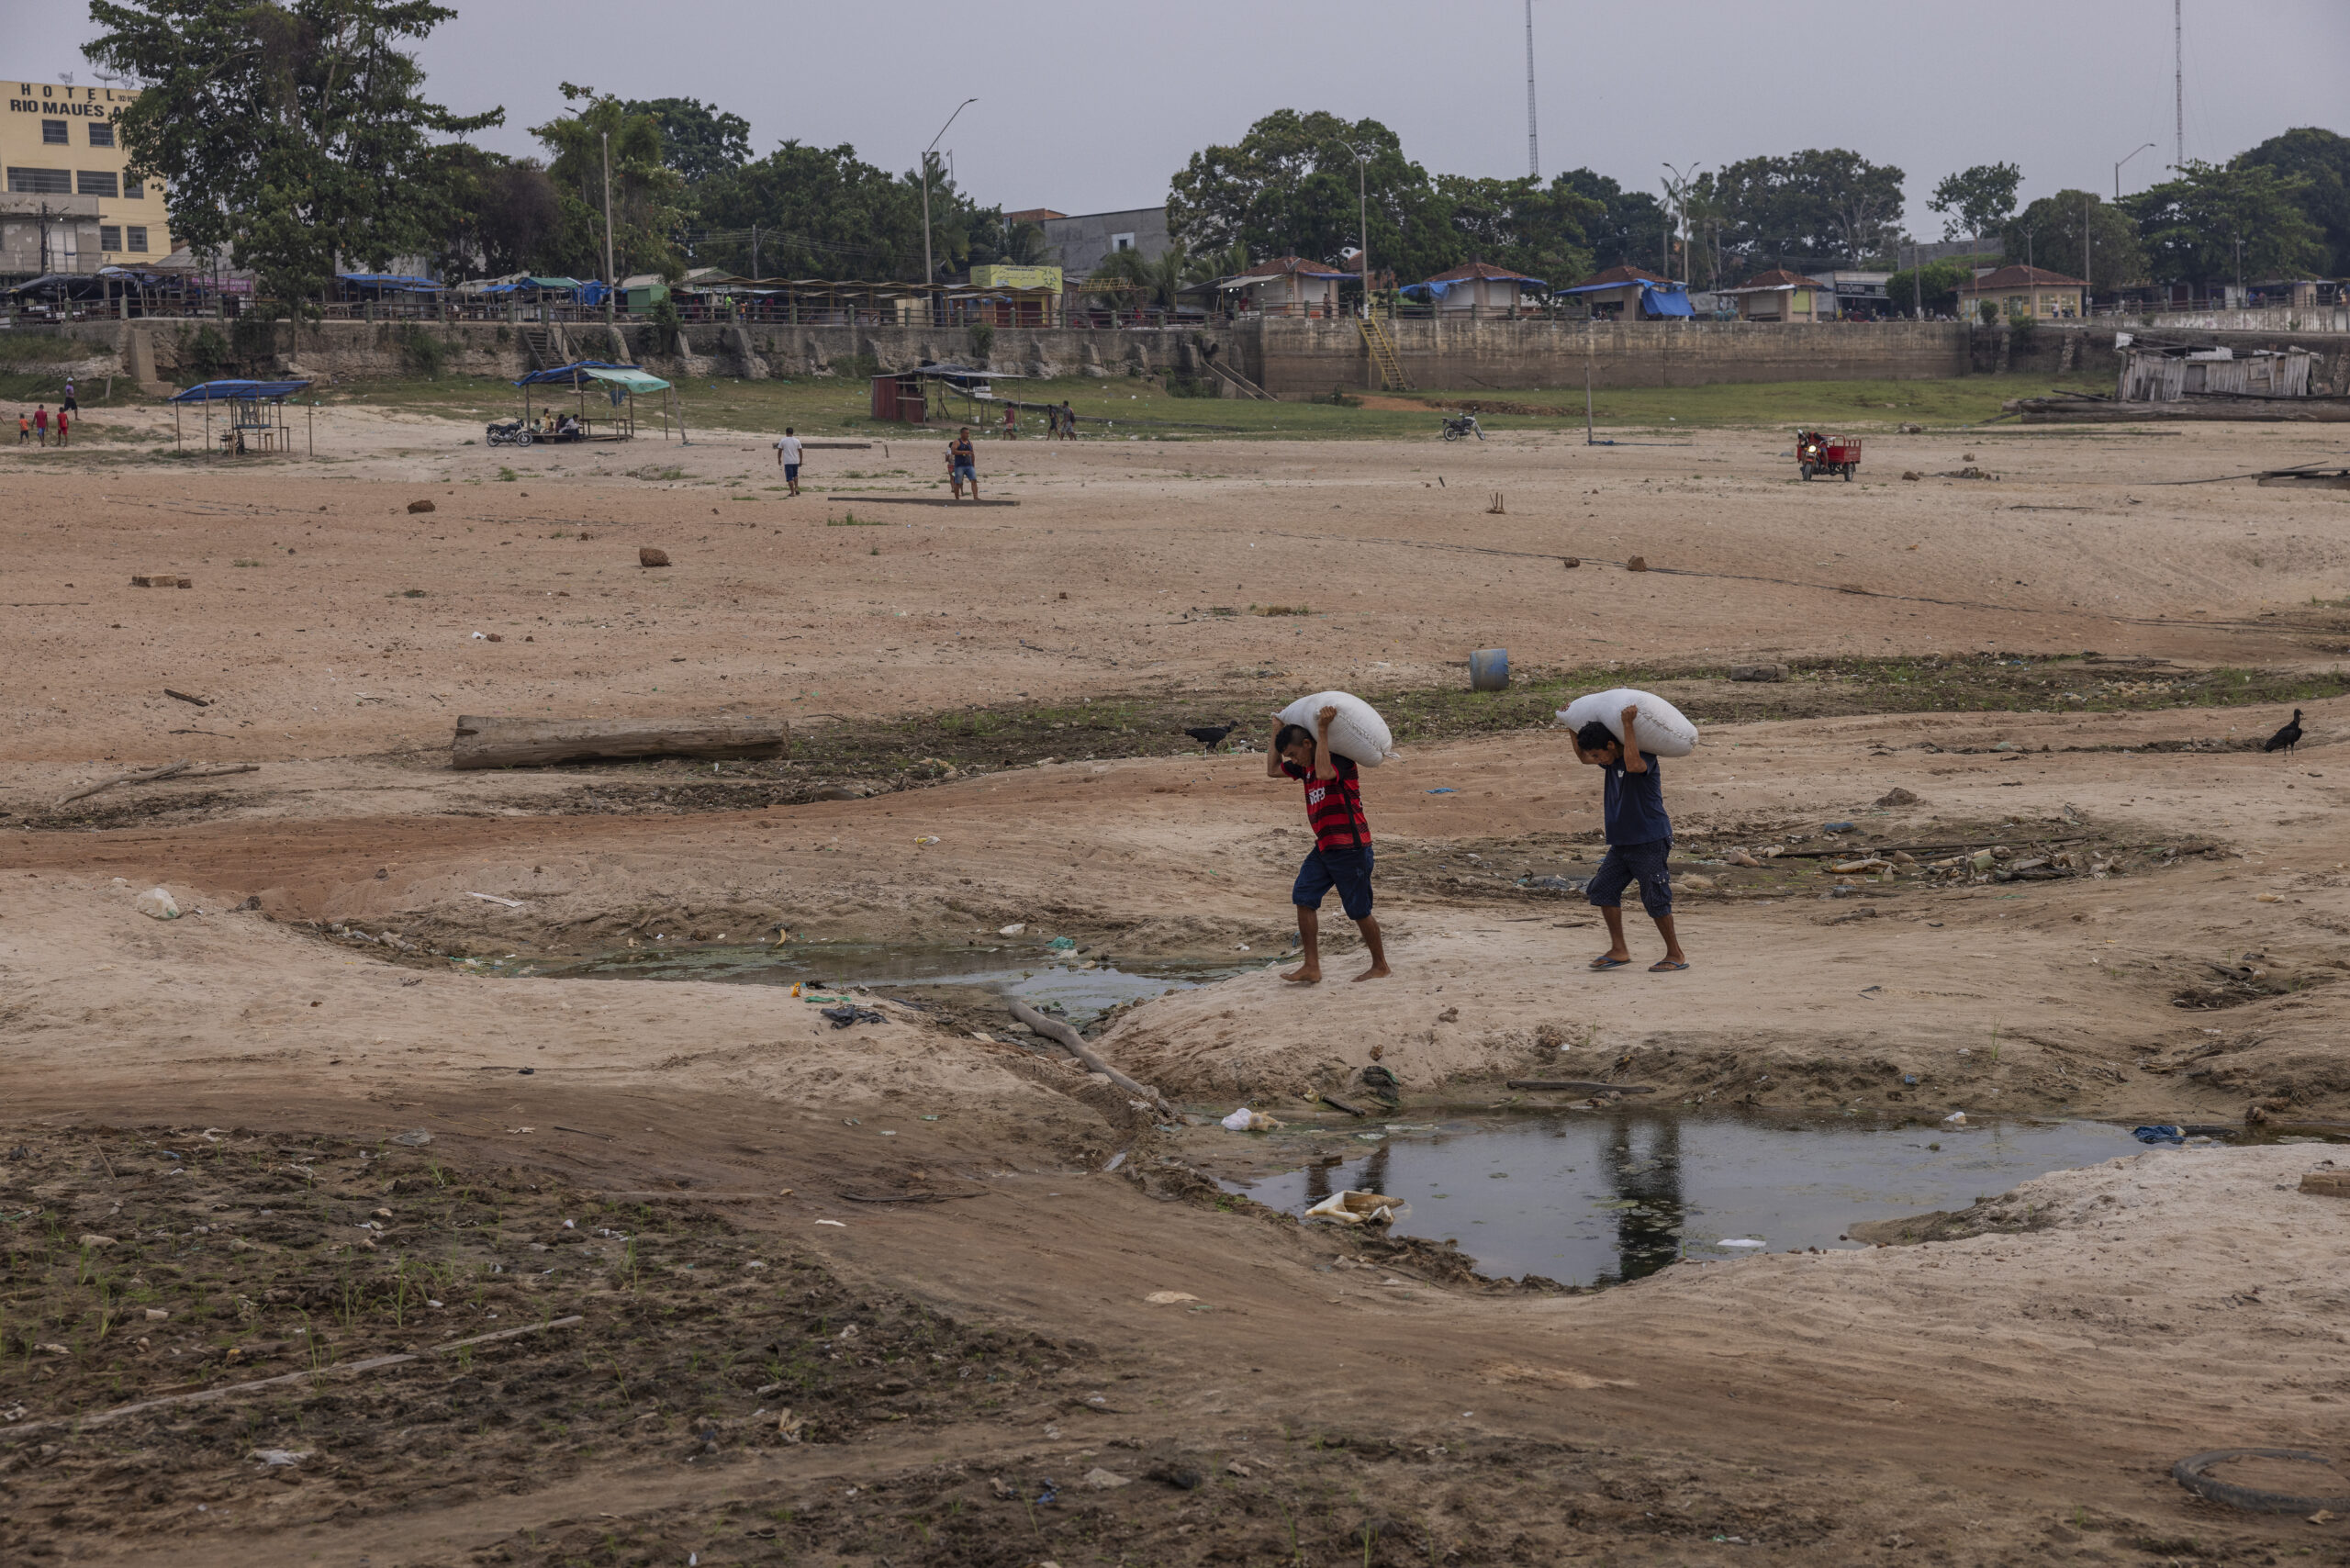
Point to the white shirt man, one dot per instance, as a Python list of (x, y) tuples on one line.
[(786, 452)]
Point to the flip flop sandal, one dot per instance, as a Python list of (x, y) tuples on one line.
[(1604, 962), (1665, 966)]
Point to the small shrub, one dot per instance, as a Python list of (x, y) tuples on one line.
[(411, 593), (507, 476), (982, 339)]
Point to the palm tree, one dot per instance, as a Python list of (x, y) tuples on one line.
[(1128, 273)]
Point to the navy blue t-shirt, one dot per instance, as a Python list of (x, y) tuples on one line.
[(1635, 804)]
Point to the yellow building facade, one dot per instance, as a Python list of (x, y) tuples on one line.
[(71, 204)]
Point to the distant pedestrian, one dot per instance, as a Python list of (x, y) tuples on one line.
[(64, 421), (24, 428), (963, 465), (786, 452), (40, 424), (72, 405), (1068, 421), (1011, 421)]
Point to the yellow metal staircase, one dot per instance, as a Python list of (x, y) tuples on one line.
[(1382, 349)]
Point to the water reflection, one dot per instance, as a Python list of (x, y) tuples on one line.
[(1601, 1197), (1642, 1158)]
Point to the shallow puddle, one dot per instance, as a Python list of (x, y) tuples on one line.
[(1601, 1197), (1080, 986)]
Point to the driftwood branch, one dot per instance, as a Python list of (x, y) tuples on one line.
[(373, 1363), (1074, 1043), (166, 771)]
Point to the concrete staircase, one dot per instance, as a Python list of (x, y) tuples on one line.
[(546, 345), (1235, 381)]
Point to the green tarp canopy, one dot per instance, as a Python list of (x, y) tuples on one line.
[(633, 380)]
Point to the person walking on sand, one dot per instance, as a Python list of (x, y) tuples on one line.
[(40, 423), (786, 452), (72, 405), (1010, 421), (1639, 841), (1341, 855), (963, 465), (24, 428), (64, 423), (1068, 421)]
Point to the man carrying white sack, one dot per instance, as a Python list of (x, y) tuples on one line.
[(1639, 841), (1340, 858)]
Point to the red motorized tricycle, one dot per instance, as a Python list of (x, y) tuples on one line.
[(1818, 452)]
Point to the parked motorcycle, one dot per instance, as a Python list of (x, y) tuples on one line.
[(513, 432), (1457, 425)]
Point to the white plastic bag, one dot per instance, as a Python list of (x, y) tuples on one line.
[(1350, 1208), (1661, 731), (1245, 1120), (1358, 733)]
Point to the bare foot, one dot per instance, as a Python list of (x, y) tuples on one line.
[(1310, 975), (1376, 971)]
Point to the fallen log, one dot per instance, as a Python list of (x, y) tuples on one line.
[(1337, 1104), (1074, 1043), (540, 742), (1581, 1086)]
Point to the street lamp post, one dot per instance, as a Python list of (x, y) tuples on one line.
[(2116, 169), (929, 272), (1362, 253)]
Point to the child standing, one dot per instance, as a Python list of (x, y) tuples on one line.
[(1639, 841), (1341, 855)]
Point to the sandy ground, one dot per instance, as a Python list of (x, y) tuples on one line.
[(1982, 1400)]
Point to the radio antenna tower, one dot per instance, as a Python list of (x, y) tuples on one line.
[(2178, 78), (1533, 152)]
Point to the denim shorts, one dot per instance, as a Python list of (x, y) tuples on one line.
[(1349, 870), (966, 471), (1628, 862)]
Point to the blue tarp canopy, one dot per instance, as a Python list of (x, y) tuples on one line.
[(574, 374), (1670, 300), (1595, 288), (1437, 289), (232, 391)]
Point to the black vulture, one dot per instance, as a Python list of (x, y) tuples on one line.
[(2288, 737), (1211, 735)]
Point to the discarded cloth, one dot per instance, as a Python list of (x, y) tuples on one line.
[(1355, 1208), (2159, 1135), (844, 1016)]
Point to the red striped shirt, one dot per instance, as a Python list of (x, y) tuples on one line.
[(1334, 806)]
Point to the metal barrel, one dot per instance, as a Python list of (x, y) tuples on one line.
[(1489, 670)]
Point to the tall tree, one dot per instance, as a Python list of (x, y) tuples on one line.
[(647, 211), (291, 134), (1627, 229), (1290, 186), (825, 212), (1520, 224), (2048, 233), (501, 213), (1978, 200), (698, 140), (1809, 205), (2213, 225), (2321, 158)]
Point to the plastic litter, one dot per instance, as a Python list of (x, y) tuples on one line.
[(1013, 930), (281, 1456), (2159, 1135), (1353, 1207), (1836, 827), (1245, 1120), (1061, 944), (158, 903), (1448, 789), (1956, 1118), (847, 1014), (1743, 1241)]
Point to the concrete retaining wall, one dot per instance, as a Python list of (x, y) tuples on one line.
[(1307, 358)]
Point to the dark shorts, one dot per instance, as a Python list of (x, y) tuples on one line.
[(1349, 870), (791, 470), (1628, 862)]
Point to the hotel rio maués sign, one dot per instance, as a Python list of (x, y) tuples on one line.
[(81, 102)]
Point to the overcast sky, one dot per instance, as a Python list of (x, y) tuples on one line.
[(1091, 108)]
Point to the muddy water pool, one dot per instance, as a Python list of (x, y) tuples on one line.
[(1601, 1197)]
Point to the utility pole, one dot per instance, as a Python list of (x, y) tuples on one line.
[(611, 283), (2087, 287), (754, 249), (928, 271), (2117, 168), (1533, 151)]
